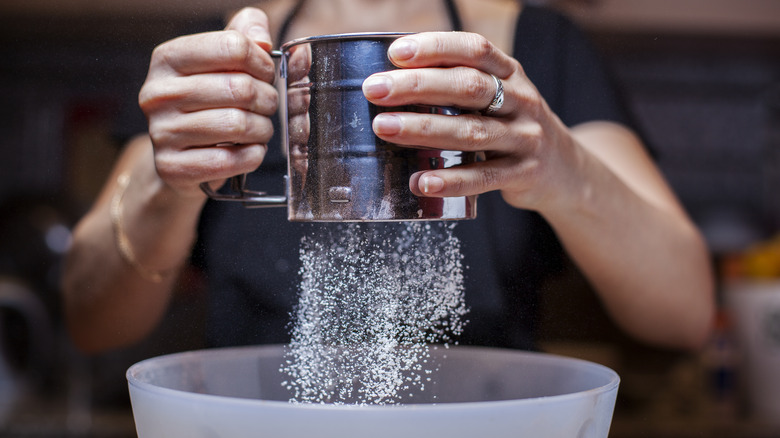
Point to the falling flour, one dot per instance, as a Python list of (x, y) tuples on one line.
[(372, 301)]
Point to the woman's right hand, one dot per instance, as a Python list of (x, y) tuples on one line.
[(208, 99)]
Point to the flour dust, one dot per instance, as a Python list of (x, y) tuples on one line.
[(372, 300)]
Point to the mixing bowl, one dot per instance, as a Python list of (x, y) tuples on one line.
[(475, 392)]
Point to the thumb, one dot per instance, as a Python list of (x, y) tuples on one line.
[(253, 23)]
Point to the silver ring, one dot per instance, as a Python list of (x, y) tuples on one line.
[(498, 99)]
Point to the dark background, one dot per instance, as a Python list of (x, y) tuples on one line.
[(703, 96)]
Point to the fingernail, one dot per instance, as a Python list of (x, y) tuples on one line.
[(259, 35), (387, 124), (376, 87), (403, 49), (432, 184)]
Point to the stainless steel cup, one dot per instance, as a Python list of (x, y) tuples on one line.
[(338, 169)]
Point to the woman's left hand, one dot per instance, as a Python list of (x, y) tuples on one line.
[(594, 184), (530, 156)]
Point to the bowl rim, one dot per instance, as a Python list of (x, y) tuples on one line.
[(133, 381)]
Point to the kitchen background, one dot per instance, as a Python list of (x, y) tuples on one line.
[(703, 77)]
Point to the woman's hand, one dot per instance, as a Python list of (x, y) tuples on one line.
[(208, 98), (594, 183), (529, 152)]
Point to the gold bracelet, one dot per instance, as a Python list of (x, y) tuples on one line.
[(122, 242)]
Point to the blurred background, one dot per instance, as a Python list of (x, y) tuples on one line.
[(702, 76)]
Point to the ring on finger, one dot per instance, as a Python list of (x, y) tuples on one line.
[(498, 99)]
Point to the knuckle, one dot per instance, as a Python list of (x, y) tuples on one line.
[(241, 89), (265, 130), (490, 177), (458, 185), (538, 108), (530, 100), (517, 68), (234, 46), (151, 96), (268, 101), (158, 51), (415, 81), (235, 123), (533, 135), (268, 73), (476, 135), (146, 98), (426, 127), (167, 166), (476, 87), (232, 160), (440, 45), (273, 100), (482, 47), (157, 136), (222, 161), (162, 54), (252, 157), (163, 135)]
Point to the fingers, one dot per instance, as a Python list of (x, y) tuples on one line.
[(464, 132), (210, 127), (460, 70), (463, 87), (209, 109), (449, 49), (209, 91), (208, 98), (185, 169), (471, 179), (211, 52), (253, 23), (513, 151), (451, 69), (243, 46)]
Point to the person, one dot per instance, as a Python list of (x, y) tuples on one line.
[(561, 162)]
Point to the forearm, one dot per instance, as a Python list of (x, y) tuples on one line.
[(208, 99), (639, 250), (109, 302)]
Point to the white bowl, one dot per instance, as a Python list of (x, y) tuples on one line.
[(477, 392)]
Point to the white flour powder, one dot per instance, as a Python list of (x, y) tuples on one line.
[(370, 304)]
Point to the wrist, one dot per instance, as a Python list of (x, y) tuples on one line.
[(123, 244), (556, 180), (154, 226)]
